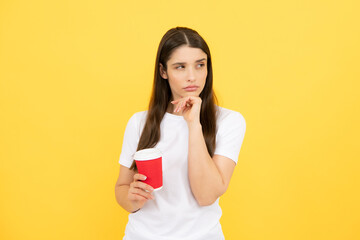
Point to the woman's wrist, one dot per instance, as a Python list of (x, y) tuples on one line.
[(194, 125)]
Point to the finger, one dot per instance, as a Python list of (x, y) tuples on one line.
[(183, 105), (133, 190), (143, 199), (138, 198), (175, 101), (192, 101), (142, 186), (138, 177), (178, 107), (179, 100), (142, 193)]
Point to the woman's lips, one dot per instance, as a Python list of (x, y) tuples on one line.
[(191, 88)]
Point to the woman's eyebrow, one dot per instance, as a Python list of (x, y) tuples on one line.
[(201, 60), (185, 62)]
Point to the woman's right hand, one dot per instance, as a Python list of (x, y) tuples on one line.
[(139, 192)]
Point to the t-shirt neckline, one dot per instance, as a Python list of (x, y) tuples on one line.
[(175, 117)]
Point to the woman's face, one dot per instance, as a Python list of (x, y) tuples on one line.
[(186, 72)]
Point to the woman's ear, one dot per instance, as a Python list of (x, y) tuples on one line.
[(163, 73)]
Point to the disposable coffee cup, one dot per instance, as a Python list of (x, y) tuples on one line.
[(149, 163)]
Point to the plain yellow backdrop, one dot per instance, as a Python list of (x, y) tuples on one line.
[(73, 72)]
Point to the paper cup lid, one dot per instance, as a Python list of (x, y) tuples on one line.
[(146, 154)]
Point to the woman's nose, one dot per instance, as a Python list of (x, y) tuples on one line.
[(191, 75)]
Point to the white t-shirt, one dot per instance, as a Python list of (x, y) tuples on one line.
[(174, 214)]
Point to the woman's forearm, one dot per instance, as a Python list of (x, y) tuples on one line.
[(205, 179)]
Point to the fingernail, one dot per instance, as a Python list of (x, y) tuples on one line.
[(144, 177)]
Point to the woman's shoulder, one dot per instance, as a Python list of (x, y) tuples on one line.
[(140, 114), (228, 116), (138, 117)]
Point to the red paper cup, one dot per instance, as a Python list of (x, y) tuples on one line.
[(149, 163)]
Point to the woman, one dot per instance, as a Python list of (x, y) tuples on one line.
[(199, 140)]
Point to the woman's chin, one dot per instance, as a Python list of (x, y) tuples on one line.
[(188, 94), (191, 94)]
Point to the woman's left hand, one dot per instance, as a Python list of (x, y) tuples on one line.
[(190, 107)]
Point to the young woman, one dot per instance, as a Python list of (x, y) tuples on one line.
[(199, 140)]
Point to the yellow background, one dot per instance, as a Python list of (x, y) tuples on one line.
[(73, 72)]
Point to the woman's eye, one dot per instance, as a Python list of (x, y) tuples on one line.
[(201, 65), (179, 67)]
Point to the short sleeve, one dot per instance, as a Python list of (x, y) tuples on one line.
[(130, 141), (230, 135)]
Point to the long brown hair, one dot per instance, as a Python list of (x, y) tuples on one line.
[(161, 92)]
